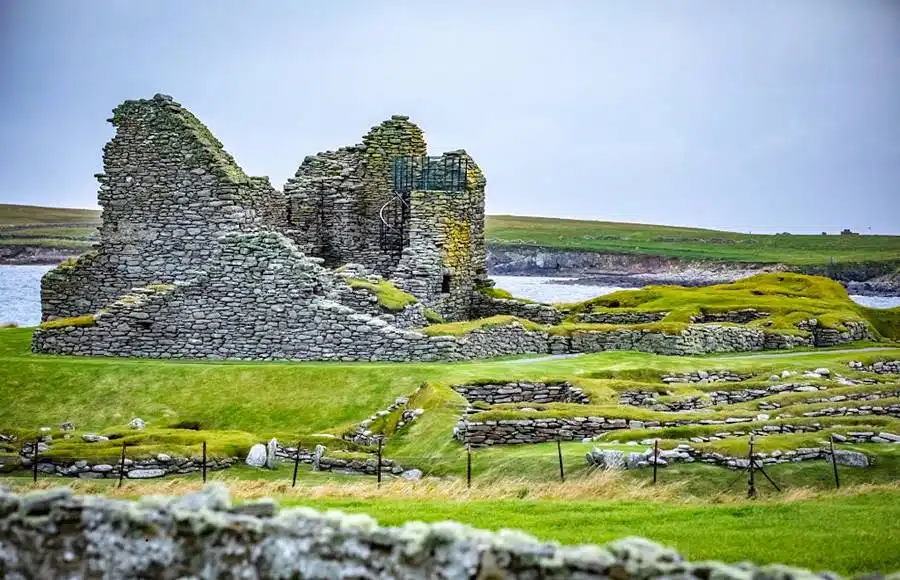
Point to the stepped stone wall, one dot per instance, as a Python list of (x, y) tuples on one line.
[(520, 392), (168, 191), (202, 535)]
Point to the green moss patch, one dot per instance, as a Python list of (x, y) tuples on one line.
[(460, 328), (389, 296), (787, 298), (77, 321)]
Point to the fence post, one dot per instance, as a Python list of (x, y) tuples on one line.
[(468, 466), (751, 492), (380, 443), (296, 464), (655, 458), (562, 474), (122, 465), (837, 481), (204, 461), (34, 460)]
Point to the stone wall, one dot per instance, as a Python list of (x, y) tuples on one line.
[(204, 535), (620, 317), (543, 429), (168, 190), (146, 468), (485, 306), (733, 316), (521, 392), (881, 367)]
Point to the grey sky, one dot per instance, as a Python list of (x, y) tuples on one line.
[(764, 115)]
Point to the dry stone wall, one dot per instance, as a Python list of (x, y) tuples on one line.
[(520, 392), (163, 537), (168, 191), (486, 306)]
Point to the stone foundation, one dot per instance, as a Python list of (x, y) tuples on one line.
[(522, 392)]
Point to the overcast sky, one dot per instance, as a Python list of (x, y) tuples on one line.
[(763, 115)]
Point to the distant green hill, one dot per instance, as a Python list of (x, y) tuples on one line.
[(48, 227), (690, 243)]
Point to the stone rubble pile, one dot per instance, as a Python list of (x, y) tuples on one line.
[(362, 435), (684, 453), (886, 367)]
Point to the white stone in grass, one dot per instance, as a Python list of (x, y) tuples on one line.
[(271, 458), (137, 423), (257, 456), (412, 474), (822, 372)]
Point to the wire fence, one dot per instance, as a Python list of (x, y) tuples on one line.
[(443, 464)]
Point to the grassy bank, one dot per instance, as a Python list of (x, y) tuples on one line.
[(690, 243), (848, 532)]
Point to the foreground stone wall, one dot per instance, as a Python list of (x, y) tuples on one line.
[(202, 535), (486, 306)]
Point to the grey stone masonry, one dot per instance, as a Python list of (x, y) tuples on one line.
[(202, 535), (168, 191), (620, 317), (883, 368), (520, 392), (486, 306)]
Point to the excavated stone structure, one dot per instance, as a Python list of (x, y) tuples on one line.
[(382, 204), (198, 260), (364, 247)]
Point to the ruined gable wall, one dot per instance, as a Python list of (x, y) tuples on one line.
[(168, 190), (323, 219), (335, 197)]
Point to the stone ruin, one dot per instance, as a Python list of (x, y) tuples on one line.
[(196, 259)]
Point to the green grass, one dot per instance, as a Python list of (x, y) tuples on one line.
[(50, 232), (787, 298), (690, 243), (77, 321), (464, 327), (11, 214), (389, 296), (75, 245), (791, 533)]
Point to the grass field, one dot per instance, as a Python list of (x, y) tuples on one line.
[(594, 236), (690, 243), (239, 403)]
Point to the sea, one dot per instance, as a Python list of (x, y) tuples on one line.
[(20, 292)]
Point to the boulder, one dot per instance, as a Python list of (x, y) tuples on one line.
[(634, 460), (318, 452), (257, 456), (271, 458), (93, 438), (606, 458), (822, 372), (137, 423), (145, 473), (412, 474), (851, 458), (67, 426)]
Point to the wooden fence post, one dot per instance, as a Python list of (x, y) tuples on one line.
[(751, 492), (34, 459), (204, 461), (562, 473), (296, 464), (122, 465), (380, 443), (655, 458), (468, 466), (837, 480)]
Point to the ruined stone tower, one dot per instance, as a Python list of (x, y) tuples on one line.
[(385, 204)]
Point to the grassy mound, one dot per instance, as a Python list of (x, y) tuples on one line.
[(389, 296), (467, 326), (787, 298)]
